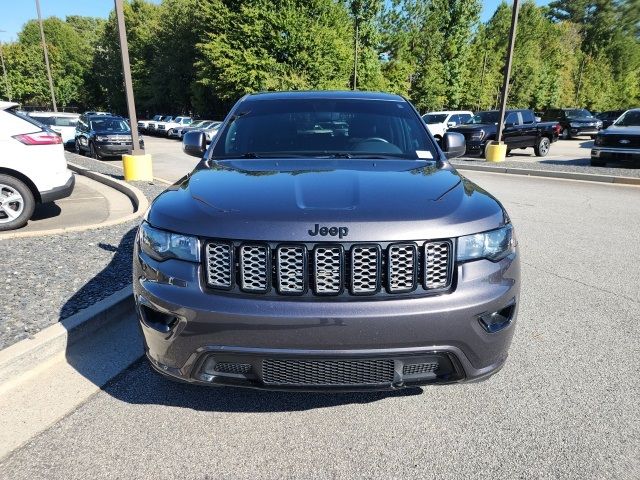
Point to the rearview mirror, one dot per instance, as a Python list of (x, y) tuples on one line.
[(194, 143), (453, 144)]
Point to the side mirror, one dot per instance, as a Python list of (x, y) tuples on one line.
[(451, 124), (453, 144), (194, 143), (538, 119)]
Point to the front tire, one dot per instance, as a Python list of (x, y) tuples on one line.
[(542, 147), (16, 203), (565, 134), (93, 153)]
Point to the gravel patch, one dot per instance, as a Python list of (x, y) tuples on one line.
[(534, 163), (52, 277)]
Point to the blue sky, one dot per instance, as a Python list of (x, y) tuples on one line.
[(22, 10)]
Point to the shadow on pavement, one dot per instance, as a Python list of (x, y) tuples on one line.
[(141, 385), (45, 210)]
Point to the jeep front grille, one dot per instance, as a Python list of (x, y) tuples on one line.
[(329, 269)]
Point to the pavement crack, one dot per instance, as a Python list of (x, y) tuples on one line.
[(600, 289)]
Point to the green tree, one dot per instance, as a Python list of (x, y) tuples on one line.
[(261, 45)]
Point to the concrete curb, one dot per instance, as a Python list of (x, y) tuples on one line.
[(587, 177), (138, 200), (26, 355)]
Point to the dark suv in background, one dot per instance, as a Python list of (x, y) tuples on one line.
[(573, 122), (325, 242), (521, 130), (100, 135)]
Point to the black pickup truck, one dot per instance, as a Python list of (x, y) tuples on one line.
[(520, 131)]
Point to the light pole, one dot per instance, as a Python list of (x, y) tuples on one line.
[(4, 72), (46, 57), (507, 73), (128, 86)]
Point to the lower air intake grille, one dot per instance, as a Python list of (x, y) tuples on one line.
[(420, 368), (327, 372), (228, 367)]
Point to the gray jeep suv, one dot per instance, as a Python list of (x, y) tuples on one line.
[(324, 242)]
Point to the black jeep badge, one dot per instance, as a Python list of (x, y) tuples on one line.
[(333, 231)]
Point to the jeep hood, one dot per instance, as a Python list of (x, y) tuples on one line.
[(281, 200)]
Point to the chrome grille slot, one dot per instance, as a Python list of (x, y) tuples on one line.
[(402, 267), (365, 269), (328, 272), (254, 268), (437, 264), (219, 259), (291, 269)]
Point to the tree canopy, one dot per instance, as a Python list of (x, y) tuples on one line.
[(199, 56)]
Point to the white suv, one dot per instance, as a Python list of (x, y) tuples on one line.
[(63, 123), (33, 168), (439, 122)]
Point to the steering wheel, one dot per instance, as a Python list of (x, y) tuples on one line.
[(374, 139)]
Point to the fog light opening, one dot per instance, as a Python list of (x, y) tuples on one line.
[(496, 321), (162, 322), (232, 369)]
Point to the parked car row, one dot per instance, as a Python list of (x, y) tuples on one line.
[(163, 124), (523, 129)]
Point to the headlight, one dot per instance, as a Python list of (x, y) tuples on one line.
[(493, 245), (161, 245), (477, 135), (102, 138), (598, 140)]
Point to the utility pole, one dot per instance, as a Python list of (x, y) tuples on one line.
[(484, 66), (355, 57), (46, 57), (507, 73), (4, 72), (128, 84)]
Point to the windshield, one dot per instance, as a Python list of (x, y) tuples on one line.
[(325, 128), (110, 124), (199, 123), (431, 118), (629, 119), (157, 118), (578, 113), (485, 117), (167, 119)]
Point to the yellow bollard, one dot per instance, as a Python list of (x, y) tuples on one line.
[(137, 168), (496, 152)]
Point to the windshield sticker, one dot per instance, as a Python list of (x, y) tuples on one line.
[(424, 154)]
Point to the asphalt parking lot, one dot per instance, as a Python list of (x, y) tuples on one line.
[(565, 405)]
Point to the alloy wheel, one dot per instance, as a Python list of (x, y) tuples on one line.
[(11, 203)]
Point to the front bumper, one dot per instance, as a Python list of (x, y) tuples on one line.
[(105, 149), (186, 329), (631, 155), (578, 131)]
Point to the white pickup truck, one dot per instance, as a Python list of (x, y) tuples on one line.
[(162, 128), (143, 125), (439, 122), (33, 168)]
